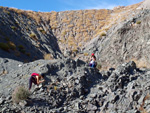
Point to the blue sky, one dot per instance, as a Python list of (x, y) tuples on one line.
[(63, 5)]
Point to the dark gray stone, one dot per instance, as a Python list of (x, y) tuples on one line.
[(1, 100)]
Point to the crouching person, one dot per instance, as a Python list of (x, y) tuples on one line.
[(36, 79)]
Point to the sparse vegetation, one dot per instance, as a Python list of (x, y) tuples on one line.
[(29, 22), (11, 45), (33, 36), (64, 33), (14, 28), (103, 34), (83, 25), (20, 93), (86, 54), (41, 30), (4, 46), (142, 109), (21, 49), (74, 50), (99, 66), (138, 22), (48, 57)]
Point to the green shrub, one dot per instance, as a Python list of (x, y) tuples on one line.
[(41, 30), (4, 46), (138, 22), (20, 93), (86, 54), (33, 36), (14, 28), (48, 56), (8, 12), (103, 34), (64, 33), (74, 50)]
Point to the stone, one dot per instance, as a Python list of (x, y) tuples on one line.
[(76, 106), (23, 103), (91, 107), (4, 109), (8, 97), (2, 100), (94, 95)]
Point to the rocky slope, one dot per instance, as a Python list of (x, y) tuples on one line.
[(21, 38), (126, 41), (145, 4), (71, 30), (72, 87)]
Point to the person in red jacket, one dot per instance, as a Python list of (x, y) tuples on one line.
[(36, 79), (92, 60)]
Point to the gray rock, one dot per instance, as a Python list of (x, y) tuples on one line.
[(23, 103), (1, 100), (91, 107)]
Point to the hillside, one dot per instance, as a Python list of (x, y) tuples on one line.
[(73, 87), (72, 29), (58, 45), (126, 41), (21, 38)]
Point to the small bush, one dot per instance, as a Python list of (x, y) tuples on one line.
[(4, 46), (86, 54), (29, 22), (12, 45), (64, 33), (74, 50), (103, 34), (138, 22), (41, 30), (20, 93), (33, 36), (48, 57), (14, 28)]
